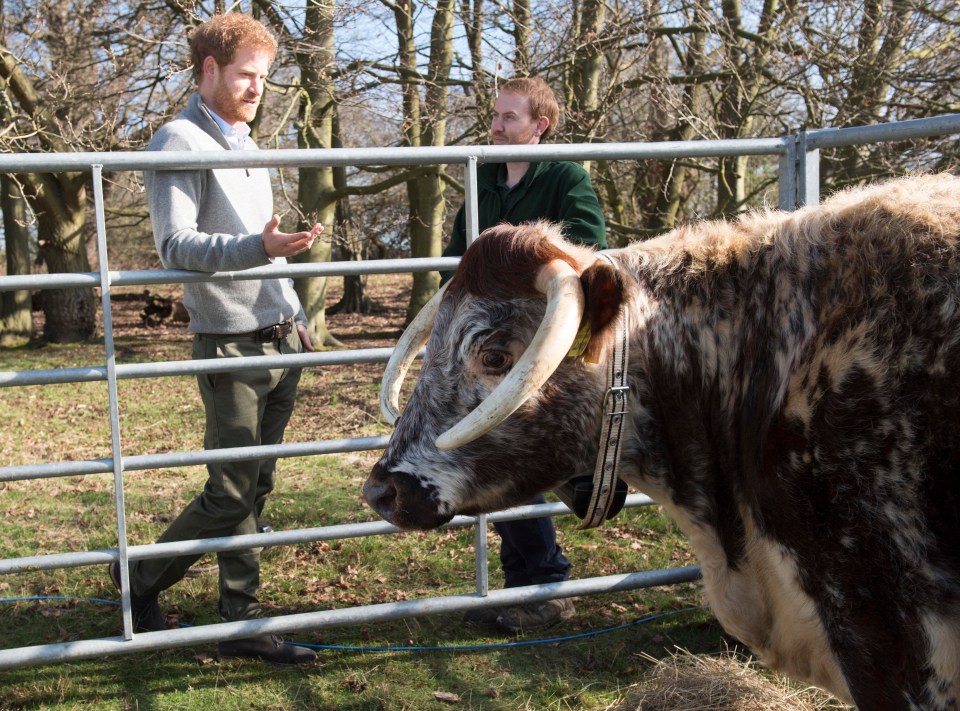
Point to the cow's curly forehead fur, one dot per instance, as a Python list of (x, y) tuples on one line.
[(795, 406)]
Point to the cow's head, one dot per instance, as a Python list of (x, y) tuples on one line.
[(503, 408)]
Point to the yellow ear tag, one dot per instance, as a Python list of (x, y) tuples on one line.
[(581, 341)]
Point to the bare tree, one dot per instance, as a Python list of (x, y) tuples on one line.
[(72, 78), (424, 119), (310, 42), (882, 60)]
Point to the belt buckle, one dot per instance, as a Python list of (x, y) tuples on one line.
[(276, 332)]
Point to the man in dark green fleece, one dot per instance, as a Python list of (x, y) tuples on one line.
[(526, 112)]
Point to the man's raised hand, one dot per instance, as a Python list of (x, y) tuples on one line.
[(287, 244)]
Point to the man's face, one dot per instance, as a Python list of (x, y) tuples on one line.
[(233, 92), (513, 122)]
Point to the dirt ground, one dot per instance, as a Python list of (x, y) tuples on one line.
[(389, 294)]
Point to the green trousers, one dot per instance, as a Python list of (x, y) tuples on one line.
[(243, 408)]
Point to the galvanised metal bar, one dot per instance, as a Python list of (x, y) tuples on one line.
[(180, 276), (384, 612), (470, 199), (301, 157), (787, 178), (894, 131), (480, 560), (281, 538), (127, 371), (114, 407), (147, 160), (808, 172), (51, 470)]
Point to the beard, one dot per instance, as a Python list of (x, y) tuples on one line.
[(232, 107)]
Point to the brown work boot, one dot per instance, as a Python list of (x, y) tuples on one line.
[(536, 615), (146, 612), (266, 647)]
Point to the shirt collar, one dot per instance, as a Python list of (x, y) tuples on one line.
[(236, 135)]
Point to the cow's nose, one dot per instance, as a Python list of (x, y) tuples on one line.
[(382, 497)]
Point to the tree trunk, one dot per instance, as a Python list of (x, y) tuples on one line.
[(16, 316), (583, 82), (880, 39), (354, 299), (426, 223), (70, 315), (425, 125), (472, 18), (665, 182), (315, 190)]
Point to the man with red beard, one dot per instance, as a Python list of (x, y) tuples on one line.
[(220, 220)]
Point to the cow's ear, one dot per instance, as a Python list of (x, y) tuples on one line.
[(605, 290)]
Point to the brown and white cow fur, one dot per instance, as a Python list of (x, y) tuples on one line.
[(795, 407)]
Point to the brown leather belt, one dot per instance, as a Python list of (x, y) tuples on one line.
[(276, 332)]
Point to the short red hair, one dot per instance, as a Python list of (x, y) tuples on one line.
[(222, 36), (543, 102)]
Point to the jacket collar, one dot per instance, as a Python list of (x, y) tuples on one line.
[(197, 113), (489, 174)]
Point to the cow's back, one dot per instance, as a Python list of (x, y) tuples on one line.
[(809, 409)]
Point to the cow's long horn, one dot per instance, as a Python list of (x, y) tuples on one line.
[(550, 344), (404, 353)]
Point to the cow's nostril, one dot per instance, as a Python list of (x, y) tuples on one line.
[(381, 497)]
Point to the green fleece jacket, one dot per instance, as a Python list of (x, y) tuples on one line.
[(559, 191), (212, 221)]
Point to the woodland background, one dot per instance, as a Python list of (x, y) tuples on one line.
[(98, 75)]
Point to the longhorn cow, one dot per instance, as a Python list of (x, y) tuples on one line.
[(793, 403)]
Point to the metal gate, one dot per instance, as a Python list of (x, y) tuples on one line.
[(798, 184)]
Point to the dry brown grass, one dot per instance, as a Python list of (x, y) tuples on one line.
[(720, 682)]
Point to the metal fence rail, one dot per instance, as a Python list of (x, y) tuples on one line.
[(798, 174)]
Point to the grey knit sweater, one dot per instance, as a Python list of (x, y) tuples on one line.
[(212, 221)]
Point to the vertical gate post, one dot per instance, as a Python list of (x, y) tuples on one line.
[(787, 175), (799, 173), (116, 453), (480, 546), (470, 199), (808, 162)]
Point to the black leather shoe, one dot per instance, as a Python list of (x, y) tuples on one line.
[(146, 612), (268, 648)]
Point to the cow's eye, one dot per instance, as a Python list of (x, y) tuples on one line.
[(495, 361)]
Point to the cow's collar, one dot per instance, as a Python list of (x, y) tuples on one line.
[(605, 489)]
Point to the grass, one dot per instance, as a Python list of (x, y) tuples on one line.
[(60, 423)]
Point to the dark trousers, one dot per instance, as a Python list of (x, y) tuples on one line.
[(529, 552), (243, 408)]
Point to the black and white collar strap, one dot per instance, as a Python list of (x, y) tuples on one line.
[(615, 416)]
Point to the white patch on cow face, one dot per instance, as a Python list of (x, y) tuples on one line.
[(434, 471)]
